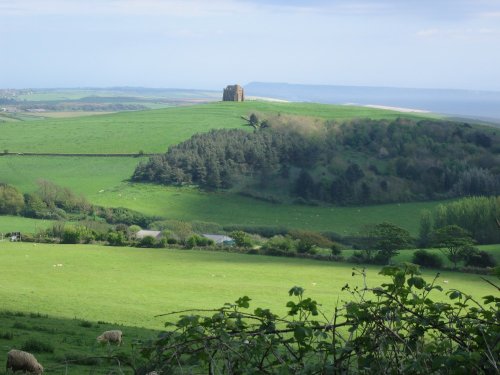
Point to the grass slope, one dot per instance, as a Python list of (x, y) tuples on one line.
[(104, 181), (191, 204), (129, 286), (22, 224), (75, 350), (153, 131)]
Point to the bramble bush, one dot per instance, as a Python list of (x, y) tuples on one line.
[(407, 325)]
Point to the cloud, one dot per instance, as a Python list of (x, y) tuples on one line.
[(458, 33), (428, 32), (188, 8), (192, 8), (491, 14)]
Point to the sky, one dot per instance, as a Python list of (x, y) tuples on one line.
[(207, 44)]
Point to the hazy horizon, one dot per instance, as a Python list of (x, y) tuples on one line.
[(195, 44)]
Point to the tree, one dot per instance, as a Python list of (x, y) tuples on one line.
[(425, 229), (11, 200), (241, 239), (453, 241), (386, 239), (304, 185)]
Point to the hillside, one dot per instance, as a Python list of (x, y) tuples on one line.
[(105, 181), (355, 162)]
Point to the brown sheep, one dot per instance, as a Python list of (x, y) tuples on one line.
[(113, 337), (17, 360)]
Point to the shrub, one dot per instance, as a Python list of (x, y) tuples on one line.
[(481, 259), (427, 259), (196, 240), (396, 327), (147, 241), (70, 236), (37, 346), (116, 239), (241, 239), (279, 244)]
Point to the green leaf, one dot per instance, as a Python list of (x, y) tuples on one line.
[(296, 291), (455, 294), (243, 302), (417, 282)]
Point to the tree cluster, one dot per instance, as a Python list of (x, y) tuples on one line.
[(477, 215), (356, 162)]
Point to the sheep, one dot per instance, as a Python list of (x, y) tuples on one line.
[(114, 336), (17, 360)]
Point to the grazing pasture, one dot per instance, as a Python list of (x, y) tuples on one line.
[(21, 224), (65, 345), (130, 286), (154, 130)]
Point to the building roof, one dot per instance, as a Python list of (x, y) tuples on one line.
[(218, 238), (145, 233)]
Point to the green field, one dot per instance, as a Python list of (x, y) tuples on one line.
[(155, 130), (66, 295), (21, 224), (75, 349), (130, 286)]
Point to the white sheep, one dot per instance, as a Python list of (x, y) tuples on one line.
[(114, 337), (17, 360)]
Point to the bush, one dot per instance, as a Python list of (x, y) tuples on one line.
[(427, 259), (196, 240), (70, 236), (147, 241), (396, 327), (241, 239), (279, 244), (481, 259), (116, 239)]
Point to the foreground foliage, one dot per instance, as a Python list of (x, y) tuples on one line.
[(402, 326)]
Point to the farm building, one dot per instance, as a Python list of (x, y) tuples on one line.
[(148, 233), (220, 239)]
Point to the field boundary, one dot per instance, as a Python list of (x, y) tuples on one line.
[(135, 155)]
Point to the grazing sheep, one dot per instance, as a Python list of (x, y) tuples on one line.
[(113, 337), (17, 360)]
